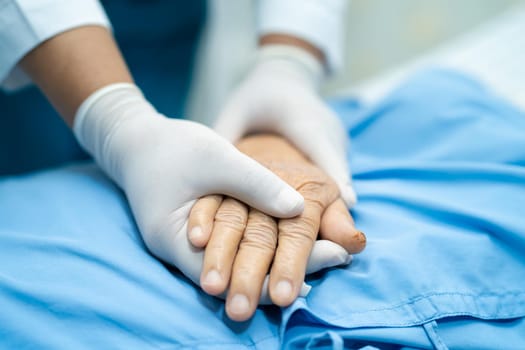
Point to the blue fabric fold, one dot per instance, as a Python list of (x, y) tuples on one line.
[(75, 274), (439, 168), (439, 171)]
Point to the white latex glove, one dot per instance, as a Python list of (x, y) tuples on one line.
[(163, 165), (279, 95)]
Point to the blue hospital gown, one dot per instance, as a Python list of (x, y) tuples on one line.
[(439, 167)]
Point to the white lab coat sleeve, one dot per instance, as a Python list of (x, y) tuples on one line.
[(319, 22), (24, 24)]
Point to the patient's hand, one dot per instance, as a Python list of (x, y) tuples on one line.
[(242, 243)]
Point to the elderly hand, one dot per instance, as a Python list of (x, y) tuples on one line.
[(242, 243), (164, 165), (279, 95)]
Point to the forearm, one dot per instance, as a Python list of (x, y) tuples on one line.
[(72, 65)]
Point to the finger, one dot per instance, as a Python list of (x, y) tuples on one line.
[(228, 229), (295, 241), (265, 295), (326, 254), (200, 221), (338, 226), (251, 265)]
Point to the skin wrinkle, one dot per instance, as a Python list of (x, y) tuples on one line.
[(232, 214), (313, 191), (299, 229), (261, 232), (281, 246)]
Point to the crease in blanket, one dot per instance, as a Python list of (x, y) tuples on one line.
[(440, 175), (431, 330)]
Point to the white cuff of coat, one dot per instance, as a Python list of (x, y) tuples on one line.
[(319, 22), (24, 24)]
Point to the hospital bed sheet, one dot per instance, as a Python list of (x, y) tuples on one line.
[(439, 168)]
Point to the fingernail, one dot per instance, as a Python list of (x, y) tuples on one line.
[(361, 237), (195, 233), (213, 278), (239, 304), (290, 202), (283, 290)]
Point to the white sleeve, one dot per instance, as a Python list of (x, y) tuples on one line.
[(319, 22), (24, 24)]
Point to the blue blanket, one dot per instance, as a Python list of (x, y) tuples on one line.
[(439, 167)]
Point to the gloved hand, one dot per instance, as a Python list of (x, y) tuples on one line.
[(243, 245), (163, 165), (279, 95)]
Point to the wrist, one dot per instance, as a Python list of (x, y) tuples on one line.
[(107, 120)]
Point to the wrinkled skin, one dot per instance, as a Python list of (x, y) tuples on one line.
[(243, 244)]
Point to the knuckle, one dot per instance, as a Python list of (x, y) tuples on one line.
[(233, 217), (230, 224), (300, 232), (310, 189), (261, 233), (259, 240), (261, 221), (306, 224), (318, 193), (319, 204)]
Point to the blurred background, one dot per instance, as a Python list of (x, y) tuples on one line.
[(380, 34)]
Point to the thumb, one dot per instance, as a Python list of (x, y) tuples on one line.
[(170, 244), (326, 147), (332, 159), (243, 178)]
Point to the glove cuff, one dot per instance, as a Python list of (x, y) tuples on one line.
[(307, 64), (100, 115), (84, 108)]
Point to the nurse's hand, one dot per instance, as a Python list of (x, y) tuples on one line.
[(242, 243), (163, 165), (279, 95)]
